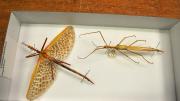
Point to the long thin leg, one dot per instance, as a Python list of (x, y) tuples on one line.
[(128, 57), (44, 44), (76, 72), (85, 75), (90, 53), (125, 38), (31, 55), (141, 56), (66, 67), (96, 32), (32, 50), (136, 42)]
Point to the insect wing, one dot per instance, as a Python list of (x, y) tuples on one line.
[(41, 79), (62, 44)]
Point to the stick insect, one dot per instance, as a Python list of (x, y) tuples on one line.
[(112, 49), (45, 69)]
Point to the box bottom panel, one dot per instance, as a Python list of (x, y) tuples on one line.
[(116, 78)]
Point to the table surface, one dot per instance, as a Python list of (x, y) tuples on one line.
[(157, 8)]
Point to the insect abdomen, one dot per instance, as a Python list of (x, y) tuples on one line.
[(122, 47), (137, 48)]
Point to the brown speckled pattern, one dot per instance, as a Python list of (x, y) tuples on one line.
[(43, 77), (63, 45), (45, 70)]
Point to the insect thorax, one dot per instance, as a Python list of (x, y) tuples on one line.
[(122, 47)]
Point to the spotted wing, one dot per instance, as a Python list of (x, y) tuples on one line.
[(41, 79), (62, 44)]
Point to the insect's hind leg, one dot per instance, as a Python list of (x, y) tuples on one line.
[(125, 38), (141, 56), (128, 57), (136, 42)]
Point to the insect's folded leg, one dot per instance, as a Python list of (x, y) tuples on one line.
[(128, 56), (141, 56)]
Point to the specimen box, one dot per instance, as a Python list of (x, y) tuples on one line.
[(116, 78)]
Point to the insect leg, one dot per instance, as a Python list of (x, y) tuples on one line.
[(76, 72), (128, 56), (136, 42), (85, 75), (44, 44), (31, 55), (141, 56), (125, 38), (90, 53), (66, 67), (96, 32)]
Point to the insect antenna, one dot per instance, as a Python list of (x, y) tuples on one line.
[(95, 32)]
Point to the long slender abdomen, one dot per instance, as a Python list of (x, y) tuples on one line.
[(137, 48)]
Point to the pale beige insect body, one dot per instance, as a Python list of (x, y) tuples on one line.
[(120, 48)]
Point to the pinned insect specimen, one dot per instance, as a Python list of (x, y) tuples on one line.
[(112, 50), (54, 54)]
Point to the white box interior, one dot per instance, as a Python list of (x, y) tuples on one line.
[(115, 78)]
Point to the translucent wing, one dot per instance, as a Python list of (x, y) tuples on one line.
[(62, 44), (41, 79)]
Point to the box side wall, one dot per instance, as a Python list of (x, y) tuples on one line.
[(175, 37), (11, 40), (95, 19)]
